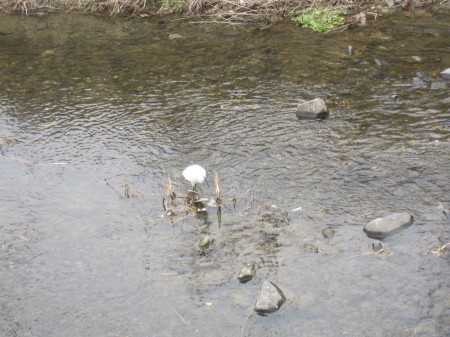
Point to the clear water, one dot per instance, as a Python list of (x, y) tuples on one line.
[(89, 104)]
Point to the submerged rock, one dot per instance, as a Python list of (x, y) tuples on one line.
[(247, 273), (350, 50), (437, 85), (417, 83), (382, 227), (377, 62), (175, 36), (312, 109), (270, 298), (205, 241), (446, 73), (328, 233)]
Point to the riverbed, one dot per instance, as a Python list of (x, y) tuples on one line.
[(98, 113)]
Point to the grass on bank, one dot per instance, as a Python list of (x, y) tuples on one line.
[(321, 19), (304, 12), (240, 9)]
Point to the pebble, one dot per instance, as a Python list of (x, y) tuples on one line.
[(382, 227), (328, 233), (175, 36), (437, 85), (205, 241), (417, 83), (247, 273), (270, 298), (350, 50)]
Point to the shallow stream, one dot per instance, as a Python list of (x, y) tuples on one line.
[(91, 104)]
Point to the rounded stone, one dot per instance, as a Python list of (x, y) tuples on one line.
[(247, 273), (382, 227), (205, 241), (328, 233)]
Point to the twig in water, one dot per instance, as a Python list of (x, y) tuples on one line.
[(380, 252), (179, 316), (247, 316), (169, 195), (439, 249), (219, 195)]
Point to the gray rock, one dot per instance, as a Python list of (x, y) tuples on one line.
[(382, 227), (350, 50), (446, 73), (417, 83), (312, 109), (205, 241), (328, 233), (416, 59), (270, 298), (247, 273), (377, 246), (437, 85)]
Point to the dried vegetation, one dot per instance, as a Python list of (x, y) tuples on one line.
[(215, 10)]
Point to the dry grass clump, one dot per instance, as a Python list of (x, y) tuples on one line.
[(116, 7), (225, 10), (231, 11), (113, 7)]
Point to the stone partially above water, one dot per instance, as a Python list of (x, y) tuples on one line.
[(382, 227), (247, 273), (312, 109), (446, 73), (270, 298)]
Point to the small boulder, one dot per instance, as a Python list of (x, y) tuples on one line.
[(270, 298), (312, 109), (382, 227), (247, 273), (446, 73)]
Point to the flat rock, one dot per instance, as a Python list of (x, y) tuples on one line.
[(437, 85), (417, 83), (270, 298), (175, 36), (312, 109), (446, 73), (382, 227)]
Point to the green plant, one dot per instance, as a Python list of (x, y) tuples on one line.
[(320, 19)]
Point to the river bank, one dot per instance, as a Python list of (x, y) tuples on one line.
[(231, 11)]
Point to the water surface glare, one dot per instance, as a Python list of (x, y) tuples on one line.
[(90, 105)]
